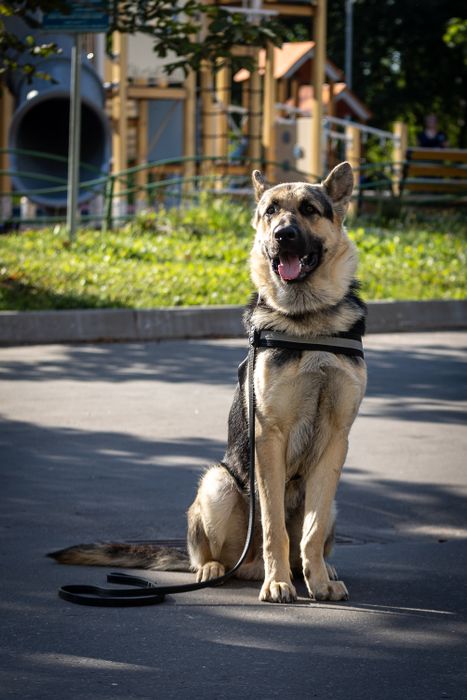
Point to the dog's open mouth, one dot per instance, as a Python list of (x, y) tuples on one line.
[(291, 268)]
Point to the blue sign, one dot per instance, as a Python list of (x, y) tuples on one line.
[(85, 16)]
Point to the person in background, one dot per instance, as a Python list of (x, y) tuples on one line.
[(431, 137)]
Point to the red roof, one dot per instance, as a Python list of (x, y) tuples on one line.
[(288, 59), (287, 62)]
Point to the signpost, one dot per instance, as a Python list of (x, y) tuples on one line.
[(85, 16), (74, 138)]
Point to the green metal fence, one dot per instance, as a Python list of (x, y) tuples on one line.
[(377, 184)]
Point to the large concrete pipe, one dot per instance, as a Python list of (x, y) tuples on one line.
[(41, 120)]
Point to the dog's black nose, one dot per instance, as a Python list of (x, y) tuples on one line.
[(286, 233)]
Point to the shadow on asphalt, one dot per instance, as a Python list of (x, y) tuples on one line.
[(385, 510), (110, 484), (102, 484), (192, 361), (417, 384)]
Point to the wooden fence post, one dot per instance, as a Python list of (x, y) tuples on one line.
[(399, 152), (353, 151), (208, 122), (223, 76), (119, 118), (269, 112), (141, 176), (319, 60), (189, 129), (255, 116)]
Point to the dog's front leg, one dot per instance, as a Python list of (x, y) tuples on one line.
[(319, 496), (270, 456)]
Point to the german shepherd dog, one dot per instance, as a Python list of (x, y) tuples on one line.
[(303, 266)]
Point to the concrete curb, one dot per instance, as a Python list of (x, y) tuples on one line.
[(99, 325)]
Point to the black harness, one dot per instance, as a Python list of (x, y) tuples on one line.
[(349, 344), (145, 592)]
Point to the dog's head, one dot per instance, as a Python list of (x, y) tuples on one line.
[(302, 259)]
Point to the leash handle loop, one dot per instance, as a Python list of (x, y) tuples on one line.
[(144, 593)]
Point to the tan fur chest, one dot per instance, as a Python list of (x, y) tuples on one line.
[(304, 400)]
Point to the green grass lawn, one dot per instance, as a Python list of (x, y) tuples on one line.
[(200, 256)]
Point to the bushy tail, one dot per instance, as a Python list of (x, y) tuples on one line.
[(132, 556)]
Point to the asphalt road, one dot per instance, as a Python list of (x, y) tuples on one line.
[(108, 441)]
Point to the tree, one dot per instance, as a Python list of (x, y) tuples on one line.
[(456, 35), (408, 60), (197, 32), (193, 30), (22, 53)]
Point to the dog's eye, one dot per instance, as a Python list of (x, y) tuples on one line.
[(272, 208), (307, 209)]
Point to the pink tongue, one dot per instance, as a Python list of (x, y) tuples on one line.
[(289, 267)]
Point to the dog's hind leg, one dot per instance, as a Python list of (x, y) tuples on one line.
[(216, 523)]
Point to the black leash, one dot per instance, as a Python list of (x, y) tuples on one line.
[(145, 592), (142, 594)]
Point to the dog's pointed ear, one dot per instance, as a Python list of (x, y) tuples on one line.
[(339, 185), (259, 184)]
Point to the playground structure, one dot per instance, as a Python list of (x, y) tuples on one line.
[(40, 123), (293, 116)]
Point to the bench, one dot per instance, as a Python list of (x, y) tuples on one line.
[(435, 176)]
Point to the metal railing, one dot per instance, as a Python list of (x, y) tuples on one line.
[(165, 183)]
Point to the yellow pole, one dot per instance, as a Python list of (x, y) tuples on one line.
[(269, 113), (319, 60), (189, 128), (294, 87), (223, 97), (142, 152), (281, 94), (208, 123), (255, 116), (353, 152), (119, 117), (399, 153)]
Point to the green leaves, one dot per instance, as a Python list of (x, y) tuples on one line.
[(455, 35), (22, 54), (197, 32), (193, 31)]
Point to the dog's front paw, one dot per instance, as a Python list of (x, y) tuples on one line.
[(212, 569), (278, 592), (331, 590)]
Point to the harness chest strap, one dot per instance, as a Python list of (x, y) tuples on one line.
[(343, 344)]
